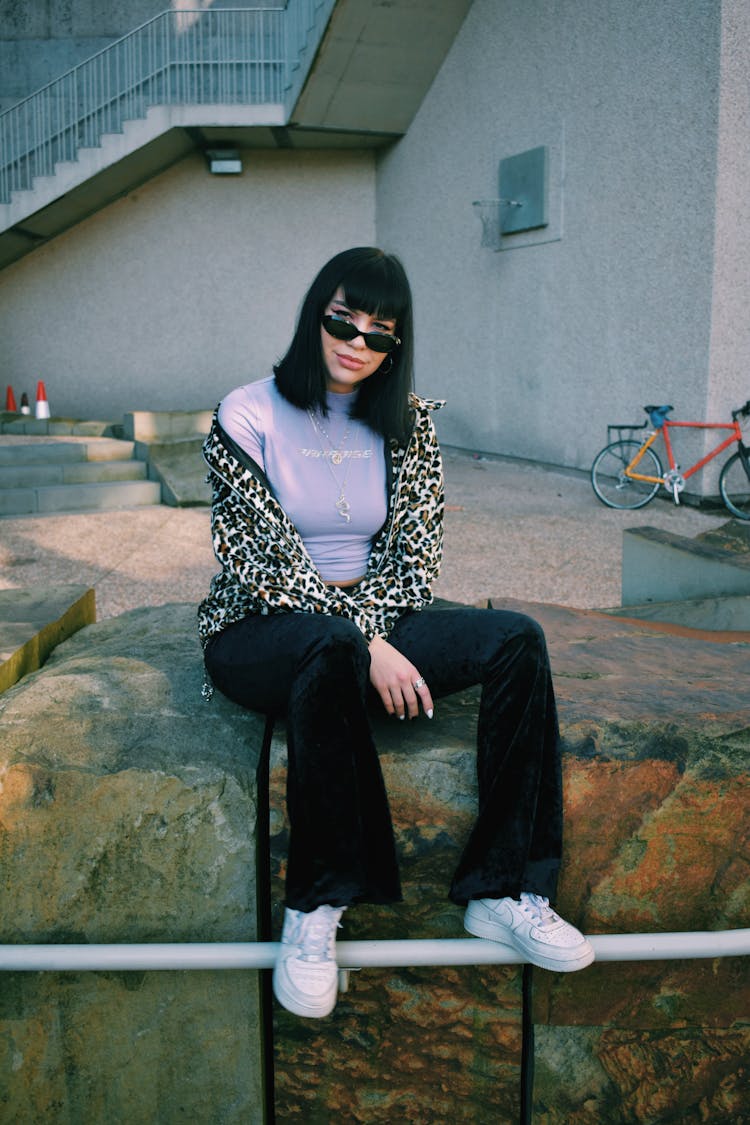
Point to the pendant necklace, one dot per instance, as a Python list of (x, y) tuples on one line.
[(334, 456)]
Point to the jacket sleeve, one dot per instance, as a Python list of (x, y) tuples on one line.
[(411, 563)]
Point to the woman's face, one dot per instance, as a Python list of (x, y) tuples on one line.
[(350, 362)]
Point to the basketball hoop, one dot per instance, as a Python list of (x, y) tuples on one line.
[(488, 211)]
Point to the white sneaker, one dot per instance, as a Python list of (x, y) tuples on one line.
[(305, 976), (531, 926)]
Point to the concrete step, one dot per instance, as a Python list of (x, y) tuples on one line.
[(73, 472), (16, 450), (13, 423), (99, 496), (42, 473)]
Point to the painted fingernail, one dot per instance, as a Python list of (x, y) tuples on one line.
[(401, 718), (429, 714)]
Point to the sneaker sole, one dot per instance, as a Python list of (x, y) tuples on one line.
[(489, 931), (291, 1002)]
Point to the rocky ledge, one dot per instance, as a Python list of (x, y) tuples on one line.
[(128, 813)]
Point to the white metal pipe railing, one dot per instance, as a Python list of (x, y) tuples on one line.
[(235, 56), (358, 954)]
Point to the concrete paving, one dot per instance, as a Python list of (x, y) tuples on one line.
[(513, 529)]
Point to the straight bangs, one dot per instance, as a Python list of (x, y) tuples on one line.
[(378, 288)]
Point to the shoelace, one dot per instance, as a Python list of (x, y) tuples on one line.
[(538, 909), (317, 933)]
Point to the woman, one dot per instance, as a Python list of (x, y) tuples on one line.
[(327, 522)]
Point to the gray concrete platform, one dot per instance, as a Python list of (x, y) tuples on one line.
[(659, 566), (532, 533)]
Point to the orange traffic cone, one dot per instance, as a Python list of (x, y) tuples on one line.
[(42, 406), (25, 408), (10, 401)]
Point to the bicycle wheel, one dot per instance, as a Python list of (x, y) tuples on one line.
[(610, 483), (734, 485)]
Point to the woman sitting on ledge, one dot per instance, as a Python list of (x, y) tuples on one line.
[(327, 523)]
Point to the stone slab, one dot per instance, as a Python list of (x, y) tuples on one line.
[(34, 622), (28, 449), (708, 615), (76, 472), (14, 422), (17, 501), (180, 468), (658, 566), (97, 496), (18, 452), (153, 426)]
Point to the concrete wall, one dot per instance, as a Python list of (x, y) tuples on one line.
[(184, 288), (40, 41), (729, 385), (538, 346), (635, 292)]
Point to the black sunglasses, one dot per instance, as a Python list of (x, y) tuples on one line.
[(345, 330)]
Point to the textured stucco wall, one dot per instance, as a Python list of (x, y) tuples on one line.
[(635, 292), (537, 347), (40, 41), (730, 343), (184, 288)]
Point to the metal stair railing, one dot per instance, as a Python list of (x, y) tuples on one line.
[(231, 56)]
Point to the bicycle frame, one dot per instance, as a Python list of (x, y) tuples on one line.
[(735, 436)]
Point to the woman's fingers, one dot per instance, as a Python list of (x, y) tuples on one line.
[(397, 682), (425, 698), (406, 696)]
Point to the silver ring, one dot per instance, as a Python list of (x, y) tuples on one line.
[(419, 683)]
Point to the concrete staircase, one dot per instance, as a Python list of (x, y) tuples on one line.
[(69, 473), (144, 101)]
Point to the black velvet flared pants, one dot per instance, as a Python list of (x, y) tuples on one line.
[(315, 670)]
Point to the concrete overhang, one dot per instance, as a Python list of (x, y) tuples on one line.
[(373, 67), (376, 62)]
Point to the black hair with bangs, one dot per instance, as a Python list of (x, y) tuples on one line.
[(375, 283)]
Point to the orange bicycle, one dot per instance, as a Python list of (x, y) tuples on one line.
[(627, 473)]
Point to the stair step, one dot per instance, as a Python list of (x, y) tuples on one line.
[(25, 451), (72, 472), (60, 498)]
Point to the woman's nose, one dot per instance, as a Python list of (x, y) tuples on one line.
[(359, 339)]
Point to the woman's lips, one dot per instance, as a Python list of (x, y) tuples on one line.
[(349, 362)]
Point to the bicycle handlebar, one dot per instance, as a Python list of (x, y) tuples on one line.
[(741, 412)]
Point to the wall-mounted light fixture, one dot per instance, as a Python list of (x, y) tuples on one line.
[(522, 205), (224, 161)]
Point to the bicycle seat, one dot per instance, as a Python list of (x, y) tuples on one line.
[(657, 414)]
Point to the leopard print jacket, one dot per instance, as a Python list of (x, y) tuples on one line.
[(267, 569)]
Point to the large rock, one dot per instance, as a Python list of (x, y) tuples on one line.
[(127, 814), (656, 754)]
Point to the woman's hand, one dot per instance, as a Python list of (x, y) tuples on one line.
[(397, 682)]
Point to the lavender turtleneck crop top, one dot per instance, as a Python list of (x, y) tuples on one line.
[(299, 459)]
